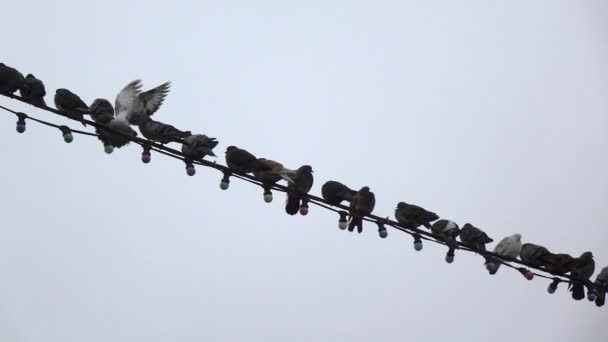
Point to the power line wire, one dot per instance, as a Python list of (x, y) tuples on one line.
[(342, 210)]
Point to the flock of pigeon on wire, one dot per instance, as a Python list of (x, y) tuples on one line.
[(113, 125)]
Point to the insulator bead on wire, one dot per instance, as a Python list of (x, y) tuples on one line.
[(304, 208), (343, 222), (108, 148), (526, 273), (267, 195), (67, 134), (417, 242), (146, 156), (591, 295), (449, 257), (382, 232), (553, 286), (225, 182), (491, 266), (21, 122), (190, 169)]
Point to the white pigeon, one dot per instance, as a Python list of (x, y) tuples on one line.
[(123, 106), (136, 105), (509, 246)]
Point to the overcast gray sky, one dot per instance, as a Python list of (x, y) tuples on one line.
[(493, 113)]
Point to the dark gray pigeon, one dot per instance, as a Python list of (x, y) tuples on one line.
[(362, 204), (102, 113), (558, 263), (601, 281), (239, 160), (302, 183), (70, 104), (11, 80), (534, 255), (335, 192), (269, 171), (161, 132), (33, 91), (582, 269), (412, 216), (447, 231), (197, 146), (474, 237)]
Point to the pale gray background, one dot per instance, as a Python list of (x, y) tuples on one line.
[(488, 112)]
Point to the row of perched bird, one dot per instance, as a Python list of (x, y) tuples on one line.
[(132, 107)]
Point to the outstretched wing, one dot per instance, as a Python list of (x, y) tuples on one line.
[(125, 98), (153, 98)]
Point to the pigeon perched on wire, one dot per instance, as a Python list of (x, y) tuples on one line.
[(71, 104), (302, 183), (269, 171), (509, 247), (11, 79), (447, 231), (412, 216), (335, 193), (161, 132), (141, 105), (582, 269), (558, 263), (33, 91), (534, 255), (239, 160), (601, 281), (474, 237), (197, 146), (362, 204), (102, 113)]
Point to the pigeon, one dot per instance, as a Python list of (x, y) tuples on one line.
[(70, 104), (239, 160), (509, 247), (139, 105), (33, 91), (447, 231), (412, 216), (269, 171), (11, 80), (161, 132), (362, 204), (335, 192), (102, 111), (558, 263), (302, 182), (601, 281), (474, 237), (103, 114), (582, 269), (533, 254), (197, 146)]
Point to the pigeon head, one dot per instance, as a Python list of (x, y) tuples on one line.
[(305, 168), (364, 189), (517, 237), (587, 255), (401, 205), (102, 104), (62, 91), (231, 148), (30, 77)]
